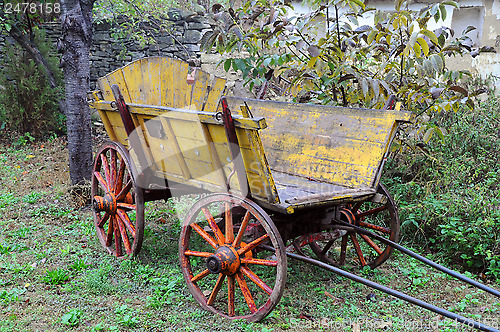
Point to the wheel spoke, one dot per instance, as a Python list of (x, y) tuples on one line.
[(109, 236), (213, 225), (258, 281), (258, 261), (126, 221), (118, 240), (230, 295), (343, 249), (112, 169), (103, 220), (358, 249), (229, 223), (372, 244), (101, 181), (204, 235), (246, 292), (216, 289), (327, 247), (370, 212), (356, 207), (243, 227), (252, 244), (119, 178), (200, 275), (198, 253), (105, 166), (123, 233), (124, 191), (375, 227), (126, 206)]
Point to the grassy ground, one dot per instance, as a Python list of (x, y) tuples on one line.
[(55, 276)]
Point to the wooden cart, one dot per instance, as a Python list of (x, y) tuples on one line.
[(274, 178)]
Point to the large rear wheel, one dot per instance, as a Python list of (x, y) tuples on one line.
[(232, 257)]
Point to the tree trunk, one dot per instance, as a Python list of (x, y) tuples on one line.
[(76, 23)]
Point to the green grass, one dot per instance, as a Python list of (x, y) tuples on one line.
[(55, 276)]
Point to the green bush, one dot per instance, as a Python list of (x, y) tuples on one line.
[(27, 102), (448, 191)]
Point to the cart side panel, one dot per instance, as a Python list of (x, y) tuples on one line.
[(115, 77), (117, 128), (337, 145)]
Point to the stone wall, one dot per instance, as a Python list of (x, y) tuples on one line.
[(180, 40)]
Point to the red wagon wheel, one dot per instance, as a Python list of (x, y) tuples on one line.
[(233, 261), (118, 203), (381, 218)]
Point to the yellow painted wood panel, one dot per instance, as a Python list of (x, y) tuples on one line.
[(107, 81), (167, 70), (137, 82), (339, 145), (203, 171), (164, 156), (200, 90), (217, 89), (182, 90), (194, 149), (187, 128), (151, 73)]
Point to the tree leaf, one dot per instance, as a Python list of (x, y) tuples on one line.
[(459, 89), (364, 86), (437, 62), (413, 39), (398, 4), (227, 64), (443, 11), (312, 62), (468, 29), (358, 3), (451, 3), (431, 35), (428, 135), (417, 50), (470, 103), (376, 88), (371, 36), (423, 45), (314, 51), (435, 92)]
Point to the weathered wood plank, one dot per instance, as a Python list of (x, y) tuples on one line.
[(217, 89), (334, 144), (200, 89)]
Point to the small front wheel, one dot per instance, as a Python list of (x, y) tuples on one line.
[(380, 217), (232, 257), (117, 201)]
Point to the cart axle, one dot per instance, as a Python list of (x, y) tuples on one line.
[(427, 261), (394, 293)]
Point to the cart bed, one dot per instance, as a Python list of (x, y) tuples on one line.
[(294, 155)]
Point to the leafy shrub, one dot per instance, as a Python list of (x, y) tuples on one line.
[(447, 191), (329, 58), (27, 102)]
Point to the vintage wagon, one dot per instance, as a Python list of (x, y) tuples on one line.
[(272, 180)]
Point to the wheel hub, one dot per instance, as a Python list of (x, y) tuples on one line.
[(225, 260), (106, 203)]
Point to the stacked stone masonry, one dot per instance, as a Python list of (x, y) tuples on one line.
[(180, 40)]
